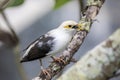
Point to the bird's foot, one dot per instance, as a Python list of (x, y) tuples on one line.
[(45, 72), (58, 60)]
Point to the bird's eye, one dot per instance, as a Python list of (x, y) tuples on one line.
[(69, 26)]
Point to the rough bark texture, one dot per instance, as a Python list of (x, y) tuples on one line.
[(101, 63), (91, 11)]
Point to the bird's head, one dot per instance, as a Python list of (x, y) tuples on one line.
[(69, 26)]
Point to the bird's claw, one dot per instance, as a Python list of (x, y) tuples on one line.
[(45, 72), (58, 60)]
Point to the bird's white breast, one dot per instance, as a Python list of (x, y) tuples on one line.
[(61, 41)]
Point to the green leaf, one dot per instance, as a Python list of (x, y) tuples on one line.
[(14, 3), (60, 3)]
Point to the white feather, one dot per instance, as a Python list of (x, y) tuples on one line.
[(29, 48), (62, 37)]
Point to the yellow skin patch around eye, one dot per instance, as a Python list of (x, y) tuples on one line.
[(81, 27), (68, 27)]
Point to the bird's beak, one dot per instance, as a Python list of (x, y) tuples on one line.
[(75, 27), (80, 27)]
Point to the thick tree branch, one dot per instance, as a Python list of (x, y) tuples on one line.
[(91, 11), (101, 63)]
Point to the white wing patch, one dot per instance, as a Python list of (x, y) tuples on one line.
[(40, 44), (27, 51), (50, 42)]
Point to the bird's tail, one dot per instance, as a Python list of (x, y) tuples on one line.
[(24, 60)]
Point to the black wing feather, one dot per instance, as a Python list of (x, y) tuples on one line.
[(39, 51)]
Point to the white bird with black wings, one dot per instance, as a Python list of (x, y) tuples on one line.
[(55, 41)]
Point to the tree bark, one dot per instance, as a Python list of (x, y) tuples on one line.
[(101, 63), (91, 11)]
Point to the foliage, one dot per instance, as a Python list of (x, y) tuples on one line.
[(14, 3), (60, 3)]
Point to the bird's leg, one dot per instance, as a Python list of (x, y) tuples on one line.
[(58, 59), (45, 72)]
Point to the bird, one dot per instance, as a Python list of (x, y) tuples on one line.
[(53, 42)]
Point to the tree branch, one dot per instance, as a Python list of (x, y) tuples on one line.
[(13, 36), (81, 7), (92, 9), (3, 3), (101, 63), (11, 39)]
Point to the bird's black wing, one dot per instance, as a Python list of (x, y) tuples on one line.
[(39, 48)]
